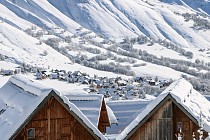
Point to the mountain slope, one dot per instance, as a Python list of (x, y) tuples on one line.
[(201, 6), (151, 18), (21, 48), (41, 14), (117, 19), (101, 17)]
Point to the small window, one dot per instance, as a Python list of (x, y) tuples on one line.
[(30, 133)]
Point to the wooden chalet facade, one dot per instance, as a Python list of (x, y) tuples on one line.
[(53, 120), (165, 121)]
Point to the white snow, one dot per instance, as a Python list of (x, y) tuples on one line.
[(154, 70), (28, 85), (20, 47), (112, 117)]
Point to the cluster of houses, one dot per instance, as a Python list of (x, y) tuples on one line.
[(18, 70), (29, 110), (9, 72), (114, 88)]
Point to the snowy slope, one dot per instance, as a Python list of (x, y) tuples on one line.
[(20, 47), (118, 18), (42, 14), (202, 6), (99, 16)]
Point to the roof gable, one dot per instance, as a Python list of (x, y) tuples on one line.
[(184, 96), (104, 118)]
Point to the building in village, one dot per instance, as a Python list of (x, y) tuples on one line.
[(29, 110), (179, 111)]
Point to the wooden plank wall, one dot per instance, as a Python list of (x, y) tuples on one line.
[(155, 127), (54, 122)]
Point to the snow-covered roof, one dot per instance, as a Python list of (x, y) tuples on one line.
[(122, 81), (125, 111), (19, 97), (207, 97), (90, 105), (183, 94), (112, 117)]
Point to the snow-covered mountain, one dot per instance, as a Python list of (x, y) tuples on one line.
[(116, 18), (26, 24)]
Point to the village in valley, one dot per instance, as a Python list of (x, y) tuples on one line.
[(115, 88)]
